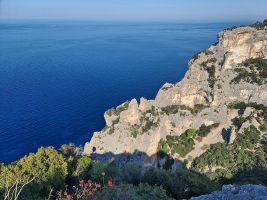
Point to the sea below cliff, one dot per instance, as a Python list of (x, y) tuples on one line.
[(58, 78)]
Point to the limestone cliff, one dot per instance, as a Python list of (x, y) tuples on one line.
[(204, 103)]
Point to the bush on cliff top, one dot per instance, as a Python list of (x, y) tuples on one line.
[(260, 25)]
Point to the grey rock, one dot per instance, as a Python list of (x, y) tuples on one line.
[(237, 192), (138, 127)]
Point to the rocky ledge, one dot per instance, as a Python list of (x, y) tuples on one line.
[(237, 192), (223, 92)]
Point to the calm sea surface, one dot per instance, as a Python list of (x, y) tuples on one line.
[(58, 78)]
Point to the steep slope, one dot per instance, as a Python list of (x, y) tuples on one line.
[(222, 93)]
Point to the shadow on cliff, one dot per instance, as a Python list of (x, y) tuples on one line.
[(141, 159), (159, 169), (181, 183), (256, 175), (161, 160)]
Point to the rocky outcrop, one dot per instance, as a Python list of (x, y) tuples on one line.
[(237, 192), (223, 75)]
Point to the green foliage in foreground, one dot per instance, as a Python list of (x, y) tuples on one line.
[(55, 169), (47, 167), (244, 161), (245, 154), (130, 192), (181, 183)]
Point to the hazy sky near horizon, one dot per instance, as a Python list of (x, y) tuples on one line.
[(144, 10)]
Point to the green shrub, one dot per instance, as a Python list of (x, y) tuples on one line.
[(238, 121), (197, 108), (242, 106), (204, 130), (171, 109), (83, 165), (181, 184), (174, 109), (191, 133), (243, 154), (210, 70), (195, 57), (118, 110), (48, 168), (248, 139), (181, 145), (260, 25), (97, 170), (130, 174), (253, 70), (167, 87), (148, 121), (264, 127), (208, 52), (130, 192), (257, 25), (163, 146), (231, 28)]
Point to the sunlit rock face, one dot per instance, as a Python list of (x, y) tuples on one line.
[(212, 83), (241, 44)]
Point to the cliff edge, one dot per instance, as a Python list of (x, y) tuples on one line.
[(225, 83)]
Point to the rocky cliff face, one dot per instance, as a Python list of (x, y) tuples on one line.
[(187, 117)]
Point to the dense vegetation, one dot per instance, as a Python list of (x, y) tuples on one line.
[(45, 169), (184, 144), (204, 130), (64, 174), (224, 163), (181, 145), (252, 71), (241, 106)]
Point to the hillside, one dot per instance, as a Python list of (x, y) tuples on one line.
[(201, 138), (222, 97)]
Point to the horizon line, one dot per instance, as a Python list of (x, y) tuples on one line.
[(132, 20)]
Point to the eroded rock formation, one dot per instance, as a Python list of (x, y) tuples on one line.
[(231, 72)]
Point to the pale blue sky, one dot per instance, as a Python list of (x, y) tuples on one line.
[(147, 10)]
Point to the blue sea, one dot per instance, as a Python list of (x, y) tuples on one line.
[(57, 78)]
